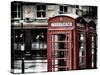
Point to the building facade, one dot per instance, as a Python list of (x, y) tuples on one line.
[(30, 34)]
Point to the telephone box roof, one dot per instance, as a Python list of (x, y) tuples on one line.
[(74, 16)]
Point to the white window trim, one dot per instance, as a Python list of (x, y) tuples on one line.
[(41, 11), (63, 9)]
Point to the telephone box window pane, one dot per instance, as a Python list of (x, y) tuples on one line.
[(59, 54), (92, 64), (93, 47), (81, 46), (93, 38), (58, 41), (93, 51), (59, 37), (55, 62), (61, 45), (82, 50), (81, 37)]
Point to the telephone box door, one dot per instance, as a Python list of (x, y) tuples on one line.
[(59, 51)]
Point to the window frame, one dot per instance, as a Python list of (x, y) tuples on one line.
[(17, 11), (62, 11), (41, 10)]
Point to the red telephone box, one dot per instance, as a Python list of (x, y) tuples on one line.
[(66, 36), (91, 45)]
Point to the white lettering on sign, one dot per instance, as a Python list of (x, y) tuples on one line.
[(61, 24)]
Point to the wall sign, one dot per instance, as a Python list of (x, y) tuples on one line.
[(58, 24)]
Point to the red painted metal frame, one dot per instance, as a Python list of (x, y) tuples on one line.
[(54, 30), (91, 32)]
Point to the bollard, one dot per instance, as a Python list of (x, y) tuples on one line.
[(22, 65)]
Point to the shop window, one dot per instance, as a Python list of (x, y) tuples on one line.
[(41, 10), (82, 50), (39, 43), (39, 50), (18, 39), (15, 10), (63, 9)]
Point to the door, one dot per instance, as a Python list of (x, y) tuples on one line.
[(59, 51)]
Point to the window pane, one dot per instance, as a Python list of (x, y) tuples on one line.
[(15, 10), (38, 7), (43, 14), (59, 41), (65, 9), (18, 14), (14, 14), (18, 39), (82, 50), (93, 45), (61, 8), (81, 37), (59, 37), (43, 7), (14, 7), (61, 62), (38, 40), (61, 45), (19, 7), (59, 54), (38, 14)]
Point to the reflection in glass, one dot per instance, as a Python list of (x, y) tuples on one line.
[(92, 64), (59, 41), (59, 45), (92, 50), (81, 37), (82, 50), (59, 54), (92, 38), (93, 45), (58, 37)]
